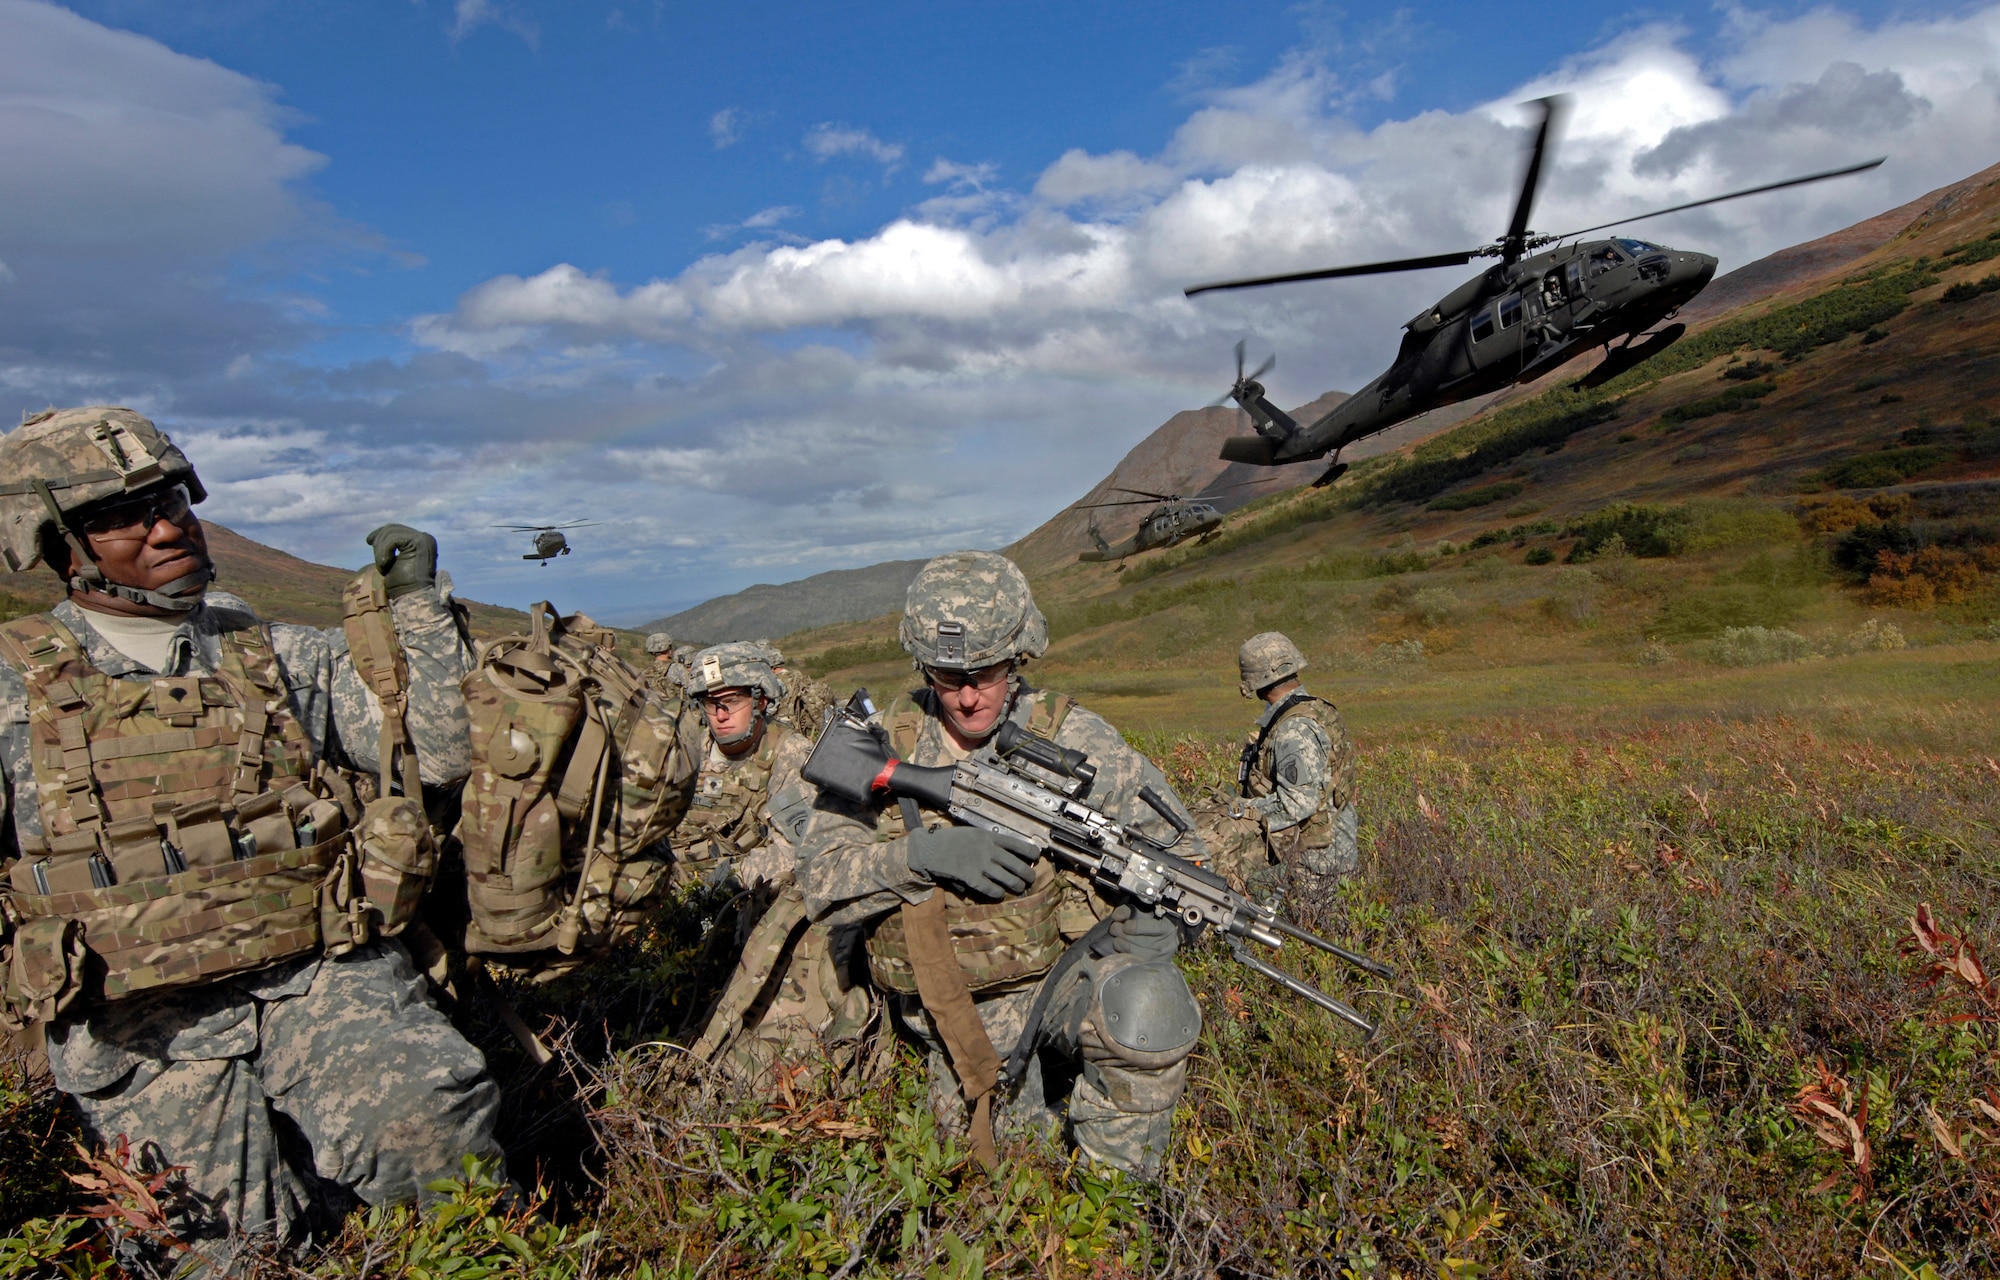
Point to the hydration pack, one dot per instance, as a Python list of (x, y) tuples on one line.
[(579, 773)]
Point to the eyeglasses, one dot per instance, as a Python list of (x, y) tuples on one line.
[(984, 678), (727, 704), (135, 517)]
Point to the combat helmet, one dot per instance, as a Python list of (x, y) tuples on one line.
[(60, 462), (659, 642), (1264, 660), (971, 609), (740, 664)]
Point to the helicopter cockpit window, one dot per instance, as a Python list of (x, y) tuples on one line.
[(1603, 258), (1482, 325), (1510, 311), (1638, 248)]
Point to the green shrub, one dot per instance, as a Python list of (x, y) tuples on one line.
[(1483, 444), (862, 653), (1733, 400), (1759, 646), (1539, 555), (1967, 290), (1486, 496), (1880, 468)]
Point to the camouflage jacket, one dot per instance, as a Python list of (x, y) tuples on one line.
[(342, 720), (749, 809), (853, 862), (1302, 764)]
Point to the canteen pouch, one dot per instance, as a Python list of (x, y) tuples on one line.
[(44, 972), (397, 857)]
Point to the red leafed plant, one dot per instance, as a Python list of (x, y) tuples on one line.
[(127, 1197), (1837, 1113), (1952, 964)]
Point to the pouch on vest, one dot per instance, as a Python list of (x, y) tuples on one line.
[(44, 971), (579, 773)]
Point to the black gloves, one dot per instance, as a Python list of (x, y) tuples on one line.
[(978, 862), (406, 557), (1144, 934)]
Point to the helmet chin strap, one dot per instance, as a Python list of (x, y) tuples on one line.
[(183, 595)]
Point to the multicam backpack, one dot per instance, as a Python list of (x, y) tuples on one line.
[(579, 773), (189, 834)]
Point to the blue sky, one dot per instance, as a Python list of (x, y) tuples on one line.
[(776, 288)]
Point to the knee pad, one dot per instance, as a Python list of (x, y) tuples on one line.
[(1146, 1015)]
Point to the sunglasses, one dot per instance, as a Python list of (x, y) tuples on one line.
[(135, 517), (727, 704), (984, 678)]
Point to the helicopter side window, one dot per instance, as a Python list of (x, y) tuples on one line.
[(1482, 325), (1573, 270), (1604, 258), (1553, 292), (1510, 311)]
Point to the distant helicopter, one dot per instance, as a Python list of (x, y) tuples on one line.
[(1523, 317), (549, 539), (1172, 521)]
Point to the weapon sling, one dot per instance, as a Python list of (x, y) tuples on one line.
[(941, 986)]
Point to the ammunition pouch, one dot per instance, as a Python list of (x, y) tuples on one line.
[(998, 944)]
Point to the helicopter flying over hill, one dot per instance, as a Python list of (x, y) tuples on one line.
[(1172, 521), (550, 541), (1525, 315)]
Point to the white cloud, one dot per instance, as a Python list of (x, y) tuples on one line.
[(725, 127), (1079, 177), (828, 141), (470, 15)]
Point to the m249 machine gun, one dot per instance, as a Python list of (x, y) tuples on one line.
[(1028, 787)]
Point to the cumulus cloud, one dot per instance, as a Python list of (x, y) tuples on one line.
[(725, 127), (828, 141)]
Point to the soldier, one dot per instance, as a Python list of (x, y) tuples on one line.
[(170, 909), (1293, 817), (806, 700), (788, 993), (666, 673), (985, 920)]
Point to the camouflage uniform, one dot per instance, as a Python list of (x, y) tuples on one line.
[(788, 994), (854, 866), (806, 700), (1294, 823), (379, 1094), (664, 673)]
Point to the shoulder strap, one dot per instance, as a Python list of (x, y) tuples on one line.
[(51, 660), (378, 659), (1048, 711), (1254, 745), (904, 721), (942, 987)]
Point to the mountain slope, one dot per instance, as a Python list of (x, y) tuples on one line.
[(842, 595)]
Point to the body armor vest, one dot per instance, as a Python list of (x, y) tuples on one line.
[(187, 834), (1256, 776), (997, 943), (726, 818)]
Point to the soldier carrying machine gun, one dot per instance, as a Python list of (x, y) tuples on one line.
[(1030, 788)]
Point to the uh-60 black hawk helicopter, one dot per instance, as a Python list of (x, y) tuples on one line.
[(550, 539), (1172, 521), (1525, 315)]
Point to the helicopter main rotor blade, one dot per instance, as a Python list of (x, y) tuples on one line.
[(1122, 502), (1335, 273), (1734, 195), (1144, 493), (1553, 108)]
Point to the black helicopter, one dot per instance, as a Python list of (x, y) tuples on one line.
[(1522, 317), (550, 541), (1172, 521)]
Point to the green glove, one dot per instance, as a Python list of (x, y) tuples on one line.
[(1145, 934), (980, 863), (406, 557)]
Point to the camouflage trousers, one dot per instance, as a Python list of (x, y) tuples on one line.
[(1120, 1101), (789, 1001), (1275, 871), (292, 1088)]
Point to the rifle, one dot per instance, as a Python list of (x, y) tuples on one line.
[(1027, 786)]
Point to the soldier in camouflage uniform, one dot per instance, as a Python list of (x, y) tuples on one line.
[(806, 700), (788, 993), (665, 673), (969, 623), (1292, 825), (305, 1081)]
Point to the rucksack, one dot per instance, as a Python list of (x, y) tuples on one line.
[(579, 773)]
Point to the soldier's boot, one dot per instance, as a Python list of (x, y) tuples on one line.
[(1134, 1025)]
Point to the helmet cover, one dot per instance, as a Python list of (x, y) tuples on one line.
[(968, 610), (1265, 659)]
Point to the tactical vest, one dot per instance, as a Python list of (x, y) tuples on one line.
[(997, 943), (1256, 774), (727, 818), (579, 773), (188, 835)]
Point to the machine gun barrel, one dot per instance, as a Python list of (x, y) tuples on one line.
[(1031, 788)]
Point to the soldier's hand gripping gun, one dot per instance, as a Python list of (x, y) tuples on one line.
[(1027, 786)]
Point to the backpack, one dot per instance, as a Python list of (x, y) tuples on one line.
[(579, 773)]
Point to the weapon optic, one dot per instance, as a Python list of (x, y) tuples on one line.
[(1027, 786)]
